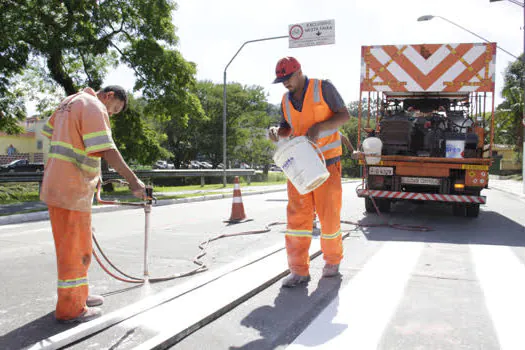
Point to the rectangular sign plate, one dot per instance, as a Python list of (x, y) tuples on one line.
[(420, 181), (311, 33), (380, 170)]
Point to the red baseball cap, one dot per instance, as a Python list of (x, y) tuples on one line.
[(285, 68)]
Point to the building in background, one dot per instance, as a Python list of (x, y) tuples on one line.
[(30, 145)]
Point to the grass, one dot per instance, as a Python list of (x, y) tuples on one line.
[(18, 192), (13, 193)]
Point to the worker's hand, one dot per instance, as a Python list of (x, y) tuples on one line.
[(355, 155), (138, 189), (313, 132), (273, 133)]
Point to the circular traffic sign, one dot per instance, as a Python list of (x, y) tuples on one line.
[(296, 32)]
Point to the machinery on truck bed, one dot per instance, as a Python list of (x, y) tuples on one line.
[(429, 102)]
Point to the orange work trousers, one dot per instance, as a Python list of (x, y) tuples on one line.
[(326, 201), (73, 245)]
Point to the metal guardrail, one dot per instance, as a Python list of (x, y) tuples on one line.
[(142, 174)]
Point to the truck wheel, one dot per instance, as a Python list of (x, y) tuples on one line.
[(382, 204), (369, 206), (472, 210), (458, 209)]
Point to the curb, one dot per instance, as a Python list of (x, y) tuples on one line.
[(521, 196), (44, 215)]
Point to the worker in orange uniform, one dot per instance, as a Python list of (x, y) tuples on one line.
[(315, 109), (80, 135)]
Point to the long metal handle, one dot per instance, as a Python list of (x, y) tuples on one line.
[(147, 212)]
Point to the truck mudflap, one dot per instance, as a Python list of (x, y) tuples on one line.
[(433, 197)]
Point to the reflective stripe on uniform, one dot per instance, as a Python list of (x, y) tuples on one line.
[(327, 133), (47, 130), (298, 233), (332, 236), (97, 141), (77, 282), (332, 145), (288, 112), (66, 152), (317, 91)]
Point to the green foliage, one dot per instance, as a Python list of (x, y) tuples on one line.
[(18, 192), (135, 138), (509, 114), (247, 121)]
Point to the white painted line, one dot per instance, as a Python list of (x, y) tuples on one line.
[(502, 278), (10, 227), (85, 329), (205, 304), (21, 232), (357, 318)]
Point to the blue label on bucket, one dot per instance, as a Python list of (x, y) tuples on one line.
[(287, 163)]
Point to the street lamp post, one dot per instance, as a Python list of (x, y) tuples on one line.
[(224, 102), (429, 17)]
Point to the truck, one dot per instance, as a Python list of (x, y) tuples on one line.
[(427, 104), (21, 165)]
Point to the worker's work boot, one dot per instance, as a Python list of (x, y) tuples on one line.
[(88, 315), (94, 300), (331, 270), (294, 280)]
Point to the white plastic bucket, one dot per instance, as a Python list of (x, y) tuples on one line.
[(301, 164), (455, 148), (372, 147)]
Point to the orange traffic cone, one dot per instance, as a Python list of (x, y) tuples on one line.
[(238, 214)]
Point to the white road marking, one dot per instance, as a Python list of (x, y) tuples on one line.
[(502, 278), (357, 318)]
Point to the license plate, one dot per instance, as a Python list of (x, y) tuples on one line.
[(420, 181), (380, 170)]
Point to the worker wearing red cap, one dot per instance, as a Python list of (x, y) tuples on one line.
[(312, 108)]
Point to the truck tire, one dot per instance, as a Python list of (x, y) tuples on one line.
[(369, 206), (382, 204), (458, 209), (472, 210)]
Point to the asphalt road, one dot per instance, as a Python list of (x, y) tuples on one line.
[(459, 286)]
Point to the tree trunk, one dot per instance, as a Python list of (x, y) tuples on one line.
[(54, 63)]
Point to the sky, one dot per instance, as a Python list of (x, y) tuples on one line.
[(210, 33)]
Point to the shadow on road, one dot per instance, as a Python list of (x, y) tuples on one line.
[(490, 228), (281, 323), (32, 333)]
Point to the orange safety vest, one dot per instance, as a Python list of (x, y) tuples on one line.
[(315, 110)]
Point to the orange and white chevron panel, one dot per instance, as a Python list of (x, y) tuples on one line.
[(429, 68)]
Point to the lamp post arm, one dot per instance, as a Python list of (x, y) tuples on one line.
[(224, 101), (482, 38)]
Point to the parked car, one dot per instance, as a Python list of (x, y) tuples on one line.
[(162, 164), (21, 165), (195, 164), (274, 167), (206, 165)]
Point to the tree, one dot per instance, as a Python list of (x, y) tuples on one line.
[(136, 139), (75, 43), (247, 121), (509, 113)]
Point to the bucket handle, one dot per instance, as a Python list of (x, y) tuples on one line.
[(317, 147)]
